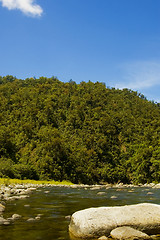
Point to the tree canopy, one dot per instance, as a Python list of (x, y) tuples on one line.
[(85, 133)]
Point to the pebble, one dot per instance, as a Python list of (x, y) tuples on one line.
[(113, 197), (47, 191), (96, 188), (68, 217), (6, 223), (26, 205), (31, 219), (16, 216), (149, 193), (10, 219), (155, 236), (103, 238), (101, 193), (39, 215), (1, 220)]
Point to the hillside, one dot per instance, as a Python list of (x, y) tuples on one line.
[(85, 133)]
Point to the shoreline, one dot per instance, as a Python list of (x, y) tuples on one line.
[(38, 183), (14, 189)]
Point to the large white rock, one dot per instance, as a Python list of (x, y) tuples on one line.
[(96, 222)]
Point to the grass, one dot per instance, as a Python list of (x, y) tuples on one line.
[(8, 181)]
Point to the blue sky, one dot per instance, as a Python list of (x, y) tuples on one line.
[(111, 41)]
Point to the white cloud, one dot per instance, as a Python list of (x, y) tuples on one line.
[(28, 7), (139, 75)]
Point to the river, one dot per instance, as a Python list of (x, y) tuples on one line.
[(53, 204)]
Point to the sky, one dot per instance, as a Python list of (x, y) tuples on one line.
[(112, 41)]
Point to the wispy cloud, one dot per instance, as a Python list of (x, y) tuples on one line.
[(28, 7), (139, 75)]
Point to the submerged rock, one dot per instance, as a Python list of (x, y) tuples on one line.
[(68, 217), (113, 197), (102, 238), (96, 188), (126, 232), (150, 193), (2, 208), (155, 237), (31, 220), (38, 217), (4, 221), (101, 193), (96, 222), (16, 216)]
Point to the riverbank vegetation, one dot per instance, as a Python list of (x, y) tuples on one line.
[(84, 133), (9, 181)]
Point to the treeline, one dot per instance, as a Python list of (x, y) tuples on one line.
[(85, 133)]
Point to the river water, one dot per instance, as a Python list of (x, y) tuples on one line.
[(55, 203)]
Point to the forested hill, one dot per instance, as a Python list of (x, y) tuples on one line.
[(85, 133)]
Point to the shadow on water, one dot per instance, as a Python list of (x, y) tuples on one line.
[(53, 204)]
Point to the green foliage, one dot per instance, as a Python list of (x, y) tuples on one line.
[(84, 133), (6, 168)]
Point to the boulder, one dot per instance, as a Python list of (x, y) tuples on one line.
[(124, 233), (96, 222)]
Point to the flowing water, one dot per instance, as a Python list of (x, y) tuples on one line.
[(55, 203)]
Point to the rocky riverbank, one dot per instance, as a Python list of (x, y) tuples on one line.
[(15, 192), (12, 192)]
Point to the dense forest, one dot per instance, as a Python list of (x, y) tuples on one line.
[(85, 133)]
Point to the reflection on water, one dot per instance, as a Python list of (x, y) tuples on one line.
[(55, 204)]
